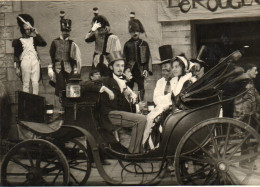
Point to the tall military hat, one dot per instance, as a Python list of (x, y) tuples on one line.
[(65, 24), (102, 20), (22, 19), (114, 56), (134, 25), (95, 10), (166, 53)]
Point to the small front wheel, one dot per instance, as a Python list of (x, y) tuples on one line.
[(35, 163)]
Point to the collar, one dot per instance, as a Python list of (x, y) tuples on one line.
[(61, 37), (121, 83)]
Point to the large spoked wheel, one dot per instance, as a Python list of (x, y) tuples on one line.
[(78, 156), (229, 154), (35, 162)]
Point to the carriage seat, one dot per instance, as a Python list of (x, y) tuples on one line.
[(41, 129)]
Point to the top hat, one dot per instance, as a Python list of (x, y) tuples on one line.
[(114, 56), (65, 24), (22, 18), (166, 53)]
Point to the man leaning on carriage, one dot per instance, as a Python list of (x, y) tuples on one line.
[(118, 104)]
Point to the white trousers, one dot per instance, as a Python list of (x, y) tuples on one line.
[(30, 67)]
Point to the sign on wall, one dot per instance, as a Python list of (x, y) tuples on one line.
[(180, 10)]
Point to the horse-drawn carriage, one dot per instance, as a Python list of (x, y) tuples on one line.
[(204, 147)]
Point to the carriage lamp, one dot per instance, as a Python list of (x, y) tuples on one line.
[(49, 112), (73, 88)]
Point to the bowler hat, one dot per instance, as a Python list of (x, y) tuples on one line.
[(166, 53), (114, 56)]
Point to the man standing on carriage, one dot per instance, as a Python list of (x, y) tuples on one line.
[(65, 56), (138, 55), (105, 43), (26, 58), (117, 111)]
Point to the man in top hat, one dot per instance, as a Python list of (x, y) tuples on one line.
[(65, 56), (105, 43), (117, 111), (26, 59), (137, 54)]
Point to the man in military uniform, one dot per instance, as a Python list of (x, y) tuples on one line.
[(105, 43), (65, 56), (137, 55)]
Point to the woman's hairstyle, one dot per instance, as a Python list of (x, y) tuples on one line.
[(181, 63)]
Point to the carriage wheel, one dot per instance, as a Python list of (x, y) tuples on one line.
[(78, 157), (229, 154), (35, 162)]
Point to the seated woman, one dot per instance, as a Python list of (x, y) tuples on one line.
[(179, 67)]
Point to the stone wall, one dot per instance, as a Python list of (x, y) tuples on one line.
[(9, 31)]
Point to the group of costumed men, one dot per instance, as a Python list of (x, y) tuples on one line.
[(66, 57), (108, 62)]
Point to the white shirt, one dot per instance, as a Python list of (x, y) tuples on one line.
[(176, 86), (158, 96)]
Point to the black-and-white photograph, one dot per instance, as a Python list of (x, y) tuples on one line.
[(129, 92)]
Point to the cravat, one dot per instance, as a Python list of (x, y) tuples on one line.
[(168, 86)]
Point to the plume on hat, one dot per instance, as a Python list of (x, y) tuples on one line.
[(20, 21)]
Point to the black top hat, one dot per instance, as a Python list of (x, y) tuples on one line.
[(24, 17), (114, 56), (166, 53), (65, 24)]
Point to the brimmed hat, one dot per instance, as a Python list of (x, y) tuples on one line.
[(114, 56), (199, 61), (166, 53), (24, 17), (65, 24)]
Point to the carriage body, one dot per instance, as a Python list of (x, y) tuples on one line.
[(202, 146)]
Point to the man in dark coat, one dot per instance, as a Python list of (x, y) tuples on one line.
[(137, 55), (65, 56), (27, 62), (117, 111)]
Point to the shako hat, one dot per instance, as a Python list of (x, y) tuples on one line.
[(134, 25), (22, 18), (166, 53), (114, 56), (102, 20), (65, 24), (95, 10)]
